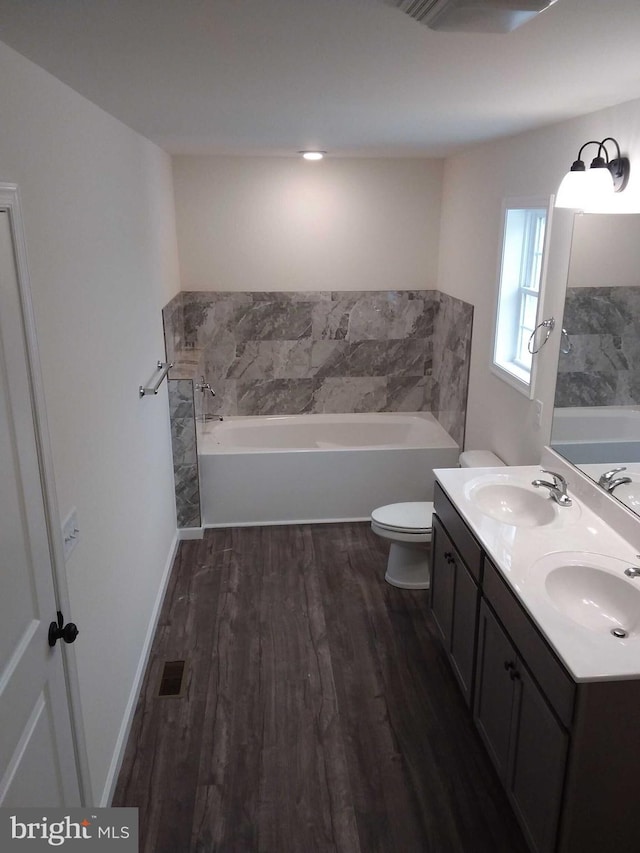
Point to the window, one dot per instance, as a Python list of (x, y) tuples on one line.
[(521, 276)]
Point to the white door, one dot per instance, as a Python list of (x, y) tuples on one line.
[(37, 764)]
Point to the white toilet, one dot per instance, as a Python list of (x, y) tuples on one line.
[(408, 526)]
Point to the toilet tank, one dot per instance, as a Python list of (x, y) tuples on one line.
[(480, 459)]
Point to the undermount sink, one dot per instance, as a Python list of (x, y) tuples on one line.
[(515, 502), (592, 591)]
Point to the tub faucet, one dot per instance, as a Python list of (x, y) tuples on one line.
[(609, 482), (557, 489), (203, 387)]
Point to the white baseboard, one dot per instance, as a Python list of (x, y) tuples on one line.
[(282, 521), (127, 719), (185, 533)]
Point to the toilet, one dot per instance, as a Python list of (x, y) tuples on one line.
[(408, 527)]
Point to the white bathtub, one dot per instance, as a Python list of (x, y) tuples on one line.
[(298, 468), (597, 433)]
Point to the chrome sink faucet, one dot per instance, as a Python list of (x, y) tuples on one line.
[(609, 482), (557, 489)]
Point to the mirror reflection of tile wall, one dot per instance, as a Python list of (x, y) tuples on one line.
[(603, 366)]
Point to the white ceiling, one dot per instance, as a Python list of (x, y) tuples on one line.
[(355, 77)]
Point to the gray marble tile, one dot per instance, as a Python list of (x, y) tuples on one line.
[(453, 326), (630, 346), (408, 394), (283, 359), (275, 396), (286, 352), (594, 354), (183, 440), (408, 357), (627, 300), (381, 320), (454, 423), (180, 398), (586, 389), (349, 394), (291, 296), (194, 319), (219, 355), (187, 495), (373, 317), (390, 295), (596, 310), (627, 388), (209, 297), (330, 320), (262, 321), (450, 393)]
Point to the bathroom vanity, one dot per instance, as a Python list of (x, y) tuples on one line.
[(520, 595)]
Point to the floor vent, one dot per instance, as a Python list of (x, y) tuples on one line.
[(172, 678)]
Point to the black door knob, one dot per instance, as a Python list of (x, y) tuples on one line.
[(59, 631)]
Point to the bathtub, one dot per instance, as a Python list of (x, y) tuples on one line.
[(293, 469), (597, 433)]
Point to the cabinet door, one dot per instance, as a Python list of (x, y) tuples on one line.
[(536, 764), (463, 635), (494, 692), (442, 581)]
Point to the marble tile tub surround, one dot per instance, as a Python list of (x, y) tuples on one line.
[(603, 367), (344, 351), (185, 457)]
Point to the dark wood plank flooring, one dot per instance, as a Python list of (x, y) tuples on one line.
[(319, 712)]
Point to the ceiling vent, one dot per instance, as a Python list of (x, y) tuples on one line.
[(472, 16)]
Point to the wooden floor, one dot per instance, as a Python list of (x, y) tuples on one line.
[(319, 713)]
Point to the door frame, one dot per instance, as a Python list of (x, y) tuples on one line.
[(10, 202)]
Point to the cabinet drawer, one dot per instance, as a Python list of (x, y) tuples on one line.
[(532, 647), (457, 529)]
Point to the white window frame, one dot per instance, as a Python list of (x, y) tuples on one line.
[(508, 370)]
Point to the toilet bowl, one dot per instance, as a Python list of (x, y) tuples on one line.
[(408, 527)]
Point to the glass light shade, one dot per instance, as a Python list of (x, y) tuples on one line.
[(572, 190), (599, 190), (313, 155), (590, 190)]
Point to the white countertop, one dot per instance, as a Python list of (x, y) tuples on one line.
[(522, 556)]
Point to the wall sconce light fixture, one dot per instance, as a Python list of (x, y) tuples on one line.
[(312, 155), (591, 189)]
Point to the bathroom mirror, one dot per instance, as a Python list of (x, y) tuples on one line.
[(596, 419)]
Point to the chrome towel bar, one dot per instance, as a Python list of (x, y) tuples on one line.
[(165, 367)]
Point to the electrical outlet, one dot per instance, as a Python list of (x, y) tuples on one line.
[(70, 533), (538, 413)]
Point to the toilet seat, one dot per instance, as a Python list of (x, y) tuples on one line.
[(409, 518), (408, 526)]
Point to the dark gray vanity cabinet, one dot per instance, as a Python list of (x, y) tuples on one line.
[(567, 752), (526, 742), (454, 603)]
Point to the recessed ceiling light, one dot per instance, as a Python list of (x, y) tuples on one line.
[(312, 155)]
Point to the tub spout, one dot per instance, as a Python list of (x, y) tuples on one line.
[(203, 387)]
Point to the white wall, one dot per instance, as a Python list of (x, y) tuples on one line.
[(286, 224), (98, 211), (605, 251), (475, 183)]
